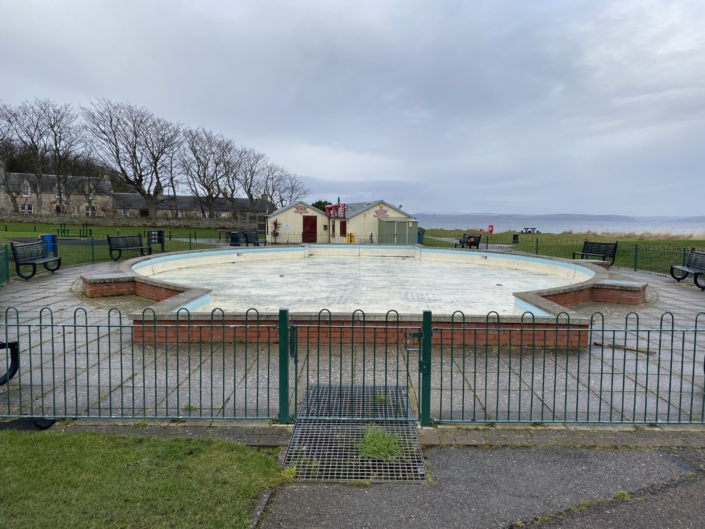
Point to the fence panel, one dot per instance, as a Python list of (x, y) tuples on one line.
[(86, 370), (4, 264), (629, 375), (357, 370)]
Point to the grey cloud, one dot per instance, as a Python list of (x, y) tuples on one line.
[(532, 107)]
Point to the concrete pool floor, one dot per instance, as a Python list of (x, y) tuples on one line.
[(372, 284)]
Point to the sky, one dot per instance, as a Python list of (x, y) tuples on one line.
[(532, 107)]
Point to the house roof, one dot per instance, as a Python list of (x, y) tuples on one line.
[(188, 203), (74, 183), (293, 205), (354, 209)]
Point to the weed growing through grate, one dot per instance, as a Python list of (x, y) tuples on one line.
[(378, 444), (380, 398)]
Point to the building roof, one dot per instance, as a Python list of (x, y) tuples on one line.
[(74, 183), (294, 204), (354, 209), (188, 203)]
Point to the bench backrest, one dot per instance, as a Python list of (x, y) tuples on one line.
[(29, 251), (471, 239), (600, 248), (124, 241), (696, 259), (251, 236)]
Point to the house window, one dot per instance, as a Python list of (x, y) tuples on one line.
[(27, 209), (125, 213), (223, 215), (181, 214), (204, 215), (25, 191), (90, 211)]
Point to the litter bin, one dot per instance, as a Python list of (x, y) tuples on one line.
[(235, 239), (515, 238), (351, 238), (49, 241), (419, 236)]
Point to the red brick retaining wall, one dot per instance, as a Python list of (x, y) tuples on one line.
[(445, 333)]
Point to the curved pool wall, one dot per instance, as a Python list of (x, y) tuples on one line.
[(581, 275)]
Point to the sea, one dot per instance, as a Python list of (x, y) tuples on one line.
[(503, 223)]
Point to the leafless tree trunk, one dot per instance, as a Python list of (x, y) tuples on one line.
[(64, 141), (86, 177), (204, 161), (229, 184), (251, 175), (7, 152), (27, 124), (135, 144)]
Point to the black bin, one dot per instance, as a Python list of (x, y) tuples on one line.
[(235, 238), (515, 238)]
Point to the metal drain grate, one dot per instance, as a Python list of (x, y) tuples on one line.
[(357, 402), (328, 449)]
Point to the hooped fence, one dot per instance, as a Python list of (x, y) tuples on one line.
[(263, 369)]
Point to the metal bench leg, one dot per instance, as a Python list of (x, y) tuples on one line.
[(697, 283), (52, 270), (678, 278), (23, 276), (119, 253), (14, 362)]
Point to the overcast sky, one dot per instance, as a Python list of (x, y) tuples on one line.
[(449, 107)]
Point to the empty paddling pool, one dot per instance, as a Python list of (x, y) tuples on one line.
[(374, 279)]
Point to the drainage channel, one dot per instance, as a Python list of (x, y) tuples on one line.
[(331, 429)]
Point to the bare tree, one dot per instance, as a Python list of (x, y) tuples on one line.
[(252, 174), (7, 153), (136, 145), (64, 141), (86, 176), (204, 161), (229, 184), (27, 124), (289, 189)]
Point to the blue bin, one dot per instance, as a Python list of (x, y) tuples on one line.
[(49, 241), (419, 237)]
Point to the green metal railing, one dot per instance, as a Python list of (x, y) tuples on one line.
[(4, 264), (464, 370)]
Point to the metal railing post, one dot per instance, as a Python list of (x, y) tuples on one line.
[(284, 366), (92, 250), (636, 257), (537, 245), (425, 369), (189, 241)]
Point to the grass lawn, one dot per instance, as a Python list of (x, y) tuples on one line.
[(62, 480)]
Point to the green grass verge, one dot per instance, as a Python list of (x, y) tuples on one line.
[(90, 480), (651, 255), (378, 444)]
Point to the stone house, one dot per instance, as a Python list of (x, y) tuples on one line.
[(189, 207), (77, 196)]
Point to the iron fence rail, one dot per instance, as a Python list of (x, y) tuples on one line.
[(79, 368)]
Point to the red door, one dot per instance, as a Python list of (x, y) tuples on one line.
[(310, 228)]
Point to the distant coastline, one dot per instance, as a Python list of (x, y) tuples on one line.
[(560, 223)]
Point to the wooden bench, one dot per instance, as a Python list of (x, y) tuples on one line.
[(695, 265), (469, 240), (121, 243), (603, 250), (32, 254), (14, 361)]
